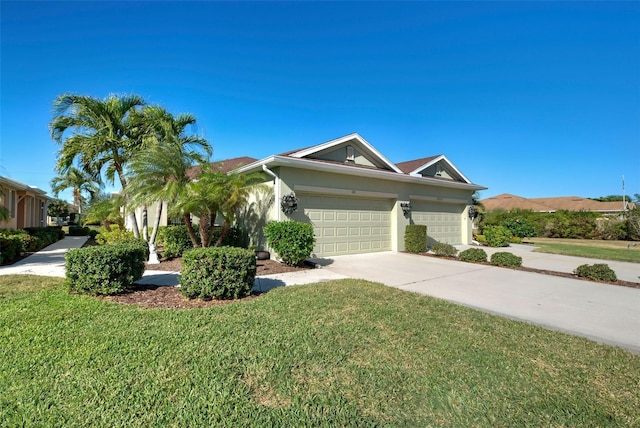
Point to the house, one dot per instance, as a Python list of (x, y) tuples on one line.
[(357, 200), (509, 202), (26, 205)]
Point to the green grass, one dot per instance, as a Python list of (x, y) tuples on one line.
[(605, 250), (342, 353)]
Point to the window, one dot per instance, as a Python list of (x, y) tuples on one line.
[(10, 202)]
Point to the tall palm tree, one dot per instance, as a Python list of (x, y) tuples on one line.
[(79, 181), (101, 141), (158, 173)]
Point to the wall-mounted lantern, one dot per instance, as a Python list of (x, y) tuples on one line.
[(406, 208), (473, 212), (289, 203)]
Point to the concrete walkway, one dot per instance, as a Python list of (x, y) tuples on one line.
[(47, 262), (602, 312)]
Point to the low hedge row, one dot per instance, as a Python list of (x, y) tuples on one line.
[(442, 249), (107, 269), (15, 241), (217, 273)]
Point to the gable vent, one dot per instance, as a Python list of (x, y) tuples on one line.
[(351, 154)]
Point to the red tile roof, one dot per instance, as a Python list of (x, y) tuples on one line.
[(225, 165)]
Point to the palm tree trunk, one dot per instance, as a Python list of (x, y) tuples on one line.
[(153, 255), (192, 234), (145, 223), (225, 229), (204, 227)]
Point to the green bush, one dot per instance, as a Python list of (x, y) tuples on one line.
[(520, 227), (497, 236), (597, 272), (47, 235), (473, 255), (415, 238), (293, 241), (506, 259), (79, 231), (104, 270), (10, 247), (234, 237), (113, 236), (442, 249), (481, 239), (176, 241), (217, 273), (516, 240)]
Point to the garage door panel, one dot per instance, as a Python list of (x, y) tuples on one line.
[(348, 225), (443, 221)]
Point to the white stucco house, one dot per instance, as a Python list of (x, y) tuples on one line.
[(357, 200)]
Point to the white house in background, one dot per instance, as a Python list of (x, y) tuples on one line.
[(27, 205)]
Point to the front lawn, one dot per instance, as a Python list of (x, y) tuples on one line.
[(623, 251), (341, 353)]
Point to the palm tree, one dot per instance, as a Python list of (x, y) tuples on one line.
[(79, 181), (105, 209), (159, 173), (101, 141)]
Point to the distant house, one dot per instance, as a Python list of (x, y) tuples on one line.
[(27, 205), (509, 202)]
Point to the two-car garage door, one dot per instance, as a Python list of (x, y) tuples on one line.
[(345, 225)]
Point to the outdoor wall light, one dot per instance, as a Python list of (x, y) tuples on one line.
[(406, 208), (473, 212), (289, 203)]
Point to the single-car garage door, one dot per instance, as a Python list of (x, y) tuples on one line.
[(443, 221), (348, 225)]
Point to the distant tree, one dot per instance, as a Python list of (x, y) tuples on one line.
[(58, 208), (105, 210), (80, 182), (610, 198)]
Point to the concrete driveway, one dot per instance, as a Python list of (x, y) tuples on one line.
[(604, 313)]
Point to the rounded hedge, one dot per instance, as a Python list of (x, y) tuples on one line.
[(597, 272), (442, 249), (497, 236), (506, 259), (217, 273), (292, 240), (473, 255)]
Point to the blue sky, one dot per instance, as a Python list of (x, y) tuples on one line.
[(536, 99)]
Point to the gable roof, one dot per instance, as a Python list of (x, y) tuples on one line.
[(318, 157), (508, 202)]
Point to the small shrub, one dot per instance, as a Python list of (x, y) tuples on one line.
[(217, 273), (442, 249), (47, 235), (292, 240), (10, 248), (481, 239), (473, 255), (497, 236), (176, 241), (597, 272), (516, 240), (113, 236), (79, 231), (415, 238), (104, 270), (506, 259)]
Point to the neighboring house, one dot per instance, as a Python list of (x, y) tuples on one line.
[(27, 205), (358, 201), (508, 202)]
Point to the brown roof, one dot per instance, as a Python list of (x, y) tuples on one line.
[(225, 165), (411, 165), (569, 203)]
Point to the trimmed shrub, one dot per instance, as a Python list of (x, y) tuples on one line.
[(113, 236), (481, 239), (516, 240), (10, 247), (292, 240), (176, 241), (415, 238), (217, 273), (506, 259), (79, 231), (473, 255), (104, 270), (497, 236), (442, 249), (597, 272), (47, 235)]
